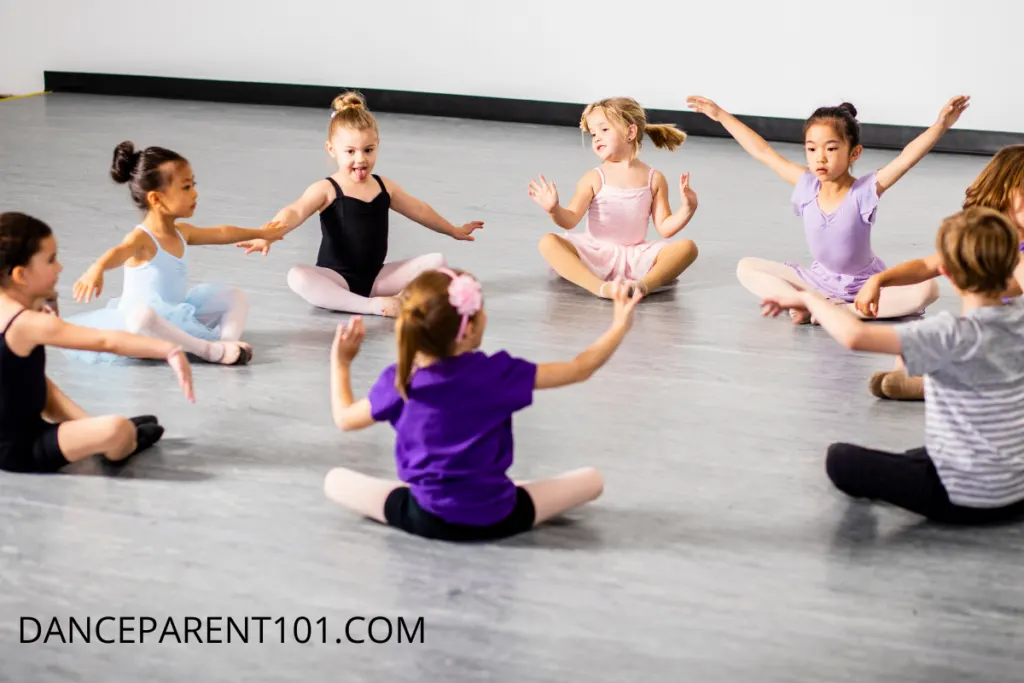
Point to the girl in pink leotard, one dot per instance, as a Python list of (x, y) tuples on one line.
[(619, 199)]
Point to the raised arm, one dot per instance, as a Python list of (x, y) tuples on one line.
[(40, 329), (887, 176), (546, 196), (420, 212), (665, 222), (579, 369), (348, 413), (754, 144)]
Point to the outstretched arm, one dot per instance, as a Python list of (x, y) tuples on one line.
[(754, 144), (59, 408), (665, 222), (579, 369), (90, 285), (838, 321), (349, 414), (546, 196), (907, 273), (229, 234), (38, 329), (314, 199), (419, 211), (887, 176)]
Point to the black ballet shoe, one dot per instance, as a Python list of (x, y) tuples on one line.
[(146, 436), (140, 420), (244, 356)]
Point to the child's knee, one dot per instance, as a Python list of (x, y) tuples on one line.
[(745, 265), (119, 434), (434, 261), (931, 293), (548, 243), (140, 319), (689, 250), (298, 279), (837, 465), (595, 481)]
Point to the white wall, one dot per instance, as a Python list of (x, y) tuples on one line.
[(897, 60)]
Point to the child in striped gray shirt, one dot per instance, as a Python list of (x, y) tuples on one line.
[(971, 468)]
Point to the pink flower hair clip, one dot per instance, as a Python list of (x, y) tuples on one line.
[(466, 296)]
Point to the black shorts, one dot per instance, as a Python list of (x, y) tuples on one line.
[(402, 511), (37, 452)]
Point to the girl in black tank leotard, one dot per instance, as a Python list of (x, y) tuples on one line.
[(351, 274), (41, 429)]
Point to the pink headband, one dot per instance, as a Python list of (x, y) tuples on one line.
[(465, 295)]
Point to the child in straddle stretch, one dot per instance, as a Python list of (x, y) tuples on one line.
[(351, 273), (451, 406), (619, 199), (838, 210), (999, 186)]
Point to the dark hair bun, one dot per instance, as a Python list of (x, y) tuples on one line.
[(125, 161), (848, 108)]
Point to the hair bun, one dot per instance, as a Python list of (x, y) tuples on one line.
[(849, 109), (349, 100), (125, 161)]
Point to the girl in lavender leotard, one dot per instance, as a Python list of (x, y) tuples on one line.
[(619, 199), (837, 209)]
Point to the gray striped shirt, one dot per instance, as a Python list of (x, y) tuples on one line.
[(973, 368)]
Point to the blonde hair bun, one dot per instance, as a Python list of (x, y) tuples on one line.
[(349, 100)]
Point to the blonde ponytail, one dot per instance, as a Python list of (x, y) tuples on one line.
[(665, 136), (623, 112)]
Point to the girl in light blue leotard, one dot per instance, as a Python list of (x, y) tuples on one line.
[(206, 320)]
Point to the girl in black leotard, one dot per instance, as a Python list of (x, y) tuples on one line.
[(350, 272), (41, 429)]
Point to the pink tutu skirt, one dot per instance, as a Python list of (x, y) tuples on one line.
[(609, 261)]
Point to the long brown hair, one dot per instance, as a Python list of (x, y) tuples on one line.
[(427, 323), (350, 112), (623, 112), (1001, 177)]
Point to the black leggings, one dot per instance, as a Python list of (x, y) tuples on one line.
[(908, 480)]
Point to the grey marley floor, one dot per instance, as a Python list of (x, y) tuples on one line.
[(719, 551)]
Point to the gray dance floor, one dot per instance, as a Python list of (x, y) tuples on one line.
[(719, 551)]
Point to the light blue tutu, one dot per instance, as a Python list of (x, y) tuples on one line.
[(162, 285)]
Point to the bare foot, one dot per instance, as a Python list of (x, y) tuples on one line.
[(640, 285), (800, 316), (235, 353), (389, 306)]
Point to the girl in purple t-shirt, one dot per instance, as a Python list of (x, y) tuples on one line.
[(451, 407), (837, 209)]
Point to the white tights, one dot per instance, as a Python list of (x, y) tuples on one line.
[(145, 321), (323, 288)]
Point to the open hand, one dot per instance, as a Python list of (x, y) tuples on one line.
[(250, 246), (625, 303), (544, 193), (348, 339), (183, 369), (703, 105), (465, 232), (866, 302), (952, 110), (772, 306), (689, 197), (89, 286)]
